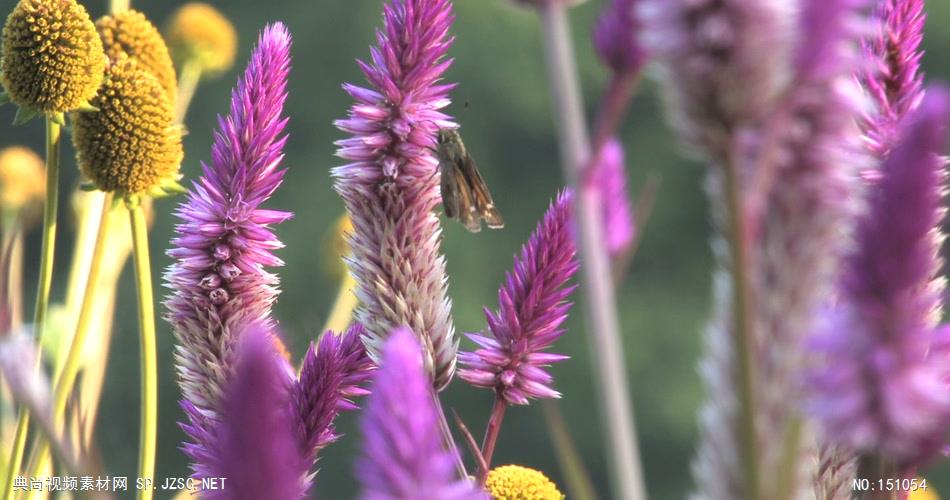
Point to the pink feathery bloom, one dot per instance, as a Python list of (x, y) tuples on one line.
[(224, 243), (881, 390), (391, 185), (403, 457), (721, 63), (893, 80), (254, 445), (616, 37), (334, 372), (610, 176), (532, 305)]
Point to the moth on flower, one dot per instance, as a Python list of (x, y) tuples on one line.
[(465, 196)]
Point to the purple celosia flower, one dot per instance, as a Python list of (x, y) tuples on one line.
[(403, 457), (722, 63), (333, 373), (879, 391), (610, 177), (615, 37), (532, 304), (391, 186), (764, 89), (224, 243), (894, 81), (254, 442)]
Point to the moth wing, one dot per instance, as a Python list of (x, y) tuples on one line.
[(450, 190), (484, 205)]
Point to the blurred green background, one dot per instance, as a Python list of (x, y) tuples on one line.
[(508, 126)]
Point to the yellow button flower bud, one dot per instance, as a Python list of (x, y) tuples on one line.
[(21, 178), (130, 34), (514, 482), (130, 146), (52, 56), (198, 33)]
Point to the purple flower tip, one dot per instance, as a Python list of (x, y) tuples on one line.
[(255, 446), (333, 374), (391, 186), (218, 281), (610, 177), (616, 37), (532, 305), (403, 457), (884, 386)]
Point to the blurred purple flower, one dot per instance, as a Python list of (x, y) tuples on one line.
[(532, 305), (894, 80), (616, 37), (255, 445), (879, 390), (391, 186), (403, 457), (610, 176), (218, 280), (333, 373), (721, 63)]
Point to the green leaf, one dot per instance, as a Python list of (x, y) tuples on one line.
[(23, 115)]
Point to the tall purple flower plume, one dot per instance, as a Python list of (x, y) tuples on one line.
[(224, 242), (391, 185), (532, 305), (333, 374), (894, 80), (763, 91), (610, 176), (254, 444), (403, 457), (879, 391), (616, 37)]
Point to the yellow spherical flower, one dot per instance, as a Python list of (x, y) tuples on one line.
[(130, 146), (52, 57), (199, 33), (514, 482), (21, 178), (130, 34)]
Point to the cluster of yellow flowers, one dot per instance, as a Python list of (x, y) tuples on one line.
[(117, 78)]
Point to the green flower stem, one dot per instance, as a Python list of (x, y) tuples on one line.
[(63, 387), (148, 351), (744, 336), (53, 139), (187, 84), (116, 6), (626, 470)]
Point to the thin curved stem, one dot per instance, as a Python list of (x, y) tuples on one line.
[(187, 84), (744, 336), (119, 5), (491, 436), (597, 281), (53, 139), (147, 346), (63, 387)]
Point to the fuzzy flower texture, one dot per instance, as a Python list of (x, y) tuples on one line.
[(532, 306), (403, 456), (218, 281), (391, 186), (884, 388)]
